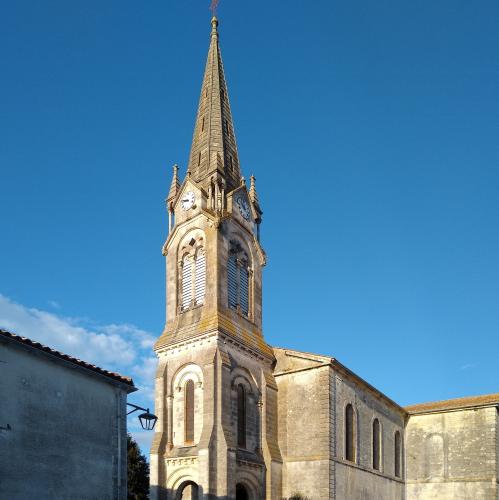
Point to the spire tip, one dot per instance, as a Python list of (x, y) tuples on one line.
[(214, 25)]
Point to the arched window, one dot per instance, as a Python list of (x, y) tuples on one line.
[(193, 279), (238, 277), (187, 266), (350, 433), (434, 456), (241, 416), (376, 444), (200, 276), (398, 454), (244, 287), (189, 412)]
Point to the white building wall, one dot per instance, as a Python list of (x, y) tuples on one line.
[(68, 429)]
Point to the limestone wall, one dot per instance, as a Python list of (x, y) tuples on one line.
[(359, 479), (452, 455), (68, 430), (304, 431), (312, 399), (214, 461)]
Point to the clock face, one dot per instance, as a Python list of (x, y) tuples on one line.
[(244, 208), (188, 200)]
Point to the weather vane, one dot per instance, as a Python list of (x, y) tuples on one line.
[(213, 6)]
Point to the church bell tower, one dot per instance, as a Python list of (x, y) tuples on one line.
[(216, 397)]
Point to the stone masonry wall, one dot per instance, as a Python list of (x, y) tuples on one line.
[(312, 399), (68, 430), (359, 480), (304, 432), (452, 455)]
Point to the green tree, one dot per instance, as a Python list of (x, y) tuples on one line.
[(138, 472)]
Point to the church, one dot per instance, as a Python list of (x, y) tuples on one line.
[(240, 419)]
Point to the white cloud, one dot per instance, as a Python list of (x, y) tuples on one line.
[(118, 347), (147, 369), (96, 345), (467, 367), (143, 439)]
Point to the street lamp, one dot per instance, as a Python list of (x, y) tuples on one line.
[(147, 420)]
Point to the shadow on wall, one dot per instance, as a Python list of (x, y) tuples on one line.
[(191, 491), (158, 493)]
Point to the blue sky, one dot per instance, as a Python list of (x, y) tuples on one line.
[(372, 129)]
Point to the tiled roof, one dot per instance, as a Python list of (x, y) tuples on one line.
[(454, 404), (66, 357)]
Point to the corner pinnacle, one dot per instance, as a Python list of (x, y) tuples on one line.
[(175, 185)]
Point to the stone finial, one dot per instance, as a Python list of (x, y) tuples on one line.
[(214, 26)]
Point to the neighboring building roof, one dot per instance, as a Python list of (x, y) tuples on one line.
[(454, 404), (36, 345)]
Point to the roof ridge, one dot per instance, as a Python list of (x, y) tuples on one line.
[(89, 366), (454, 403)]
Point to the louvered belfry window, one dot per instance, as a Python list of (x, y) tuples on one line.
[(187, 266), (232, 275), (244, 289), (200, 277), (189, 411), (193, 279), (238, 277)]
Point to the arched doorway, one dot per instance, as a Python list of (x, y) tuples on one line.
[(241, 492), (188, 491)]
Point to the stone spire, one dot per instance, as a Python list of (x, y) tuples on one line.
[(214, 150)]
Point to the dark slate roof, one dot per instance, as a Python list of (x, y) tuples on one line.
[(66, 357), (455, 404)]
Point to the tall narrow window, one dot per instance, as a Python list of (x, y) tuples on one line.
[(434, 456), (244, 289), (350, 433), (202, 125), (241, 416), (238, 277), (186, 282), (200, 277), (398, 454), (376, 445), (189, 412), (193, 278), (232, 273), (199, 159)]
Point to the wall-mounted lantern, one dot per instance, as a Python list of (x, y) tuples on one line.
[(147, 420)]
